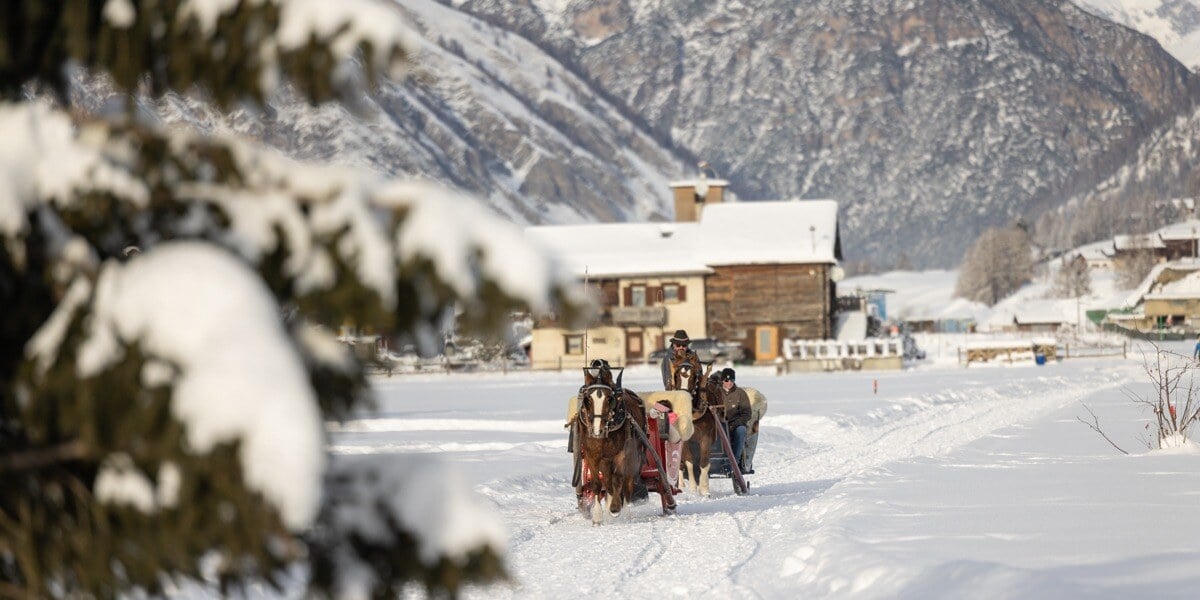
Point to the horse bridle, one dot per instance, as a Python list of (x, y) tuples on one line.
[(699, 393), (617, 416)]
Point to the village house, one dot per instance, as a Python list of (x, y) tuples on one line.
[(1168, 298), (1180, 240), (746, 272), (645, 279), (774, 274)]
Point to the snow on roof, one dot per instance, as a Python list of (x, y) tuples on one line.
[(623, 249), (797, 231), (958, 309), (1187, 230), (1137, 242), (730, 233), (696, 182), (1094, 251), (1135, 297), (1188, 287), (1040, 311)]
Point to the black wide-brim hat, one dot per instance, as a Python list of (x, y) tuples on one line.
[(680, 337)]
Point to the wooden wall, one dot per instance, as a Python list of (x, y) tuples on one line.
[(797, 298)]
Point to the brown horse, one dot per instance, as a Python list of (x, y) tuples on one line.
[(611, 454), (696, 450)]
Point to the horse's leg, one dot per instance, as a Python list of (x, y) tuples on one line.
[(706, 441), (597, 511), (622, 489)]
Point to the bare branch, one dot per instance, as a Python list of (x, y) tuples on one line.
[(1095, 425), (41, 457)]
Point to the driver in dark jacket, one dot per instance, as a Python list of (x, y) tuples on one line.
[(679, 354), (737, 413)]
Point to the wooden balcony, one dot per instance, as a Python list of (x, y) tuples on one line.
[(644, 316)]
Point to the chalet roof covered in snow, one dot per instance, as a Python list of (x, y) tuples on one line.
[(1147, 285), (1187, 230), (1096, 251), (1137, 242), (623, 249), (1188, 287), (698, 182), (787, 232), (957, 309), (1040, 312), (730, 233)]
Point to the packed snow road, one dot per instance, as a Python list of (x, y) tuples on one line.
[(506, 432)]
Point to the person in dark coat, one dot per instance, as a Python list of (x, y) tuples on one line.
[(737, 413), (679, 354)]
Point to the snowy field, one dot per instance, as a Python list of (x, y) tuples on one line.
[(946, 483)]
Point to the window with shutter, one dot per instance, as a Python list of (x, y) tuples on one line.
[(670, 293), (683, 293)]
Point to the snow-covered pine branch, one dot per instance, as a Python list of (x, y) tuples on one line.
[(159, 407), (230, 51)]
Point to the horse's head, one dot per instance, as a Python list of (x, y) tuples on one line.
[(685, 378), (600, 409), (598, 372), (714, 393)]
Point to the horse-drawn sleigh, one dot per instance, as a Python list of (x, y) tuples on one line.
[(622, 440)]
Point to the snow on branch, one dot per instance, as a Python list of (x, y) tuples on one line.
[(240, 378), (234, 50)]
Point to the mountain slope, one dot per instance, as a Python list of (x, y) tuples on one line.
[(1174, 23), (922, 116), (1136, 198), (485, 111)]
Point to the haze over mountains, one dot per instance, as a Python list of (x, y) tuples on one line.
[(928, 120)]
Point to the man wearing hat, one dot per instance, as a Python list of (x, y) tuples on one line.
[(679, 354), (737, 413)]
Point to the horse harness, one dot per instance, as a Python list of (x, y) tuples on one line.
[(618, 416)]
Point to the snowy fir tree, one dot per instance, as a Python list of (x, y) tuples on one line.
[(160, 420)]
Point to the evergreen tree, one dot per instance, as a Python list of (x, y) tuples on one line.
[(159, 417), (997, 265)]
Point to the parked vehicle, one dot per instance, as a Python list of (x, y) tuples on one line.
[(708, 350)]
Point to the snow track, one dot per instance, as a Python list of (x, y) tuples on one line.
[(824, 435)]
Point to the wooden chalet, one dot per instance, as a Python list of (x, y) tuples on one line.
[(773, 272), (748, 272)]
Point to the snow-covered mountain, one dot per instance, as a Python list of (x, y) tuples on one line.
[(928, 119), (485, 111), (1174, 23), (1140, 193)]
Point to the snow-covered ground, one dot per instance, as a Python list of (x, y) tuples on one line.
[(946, 482)]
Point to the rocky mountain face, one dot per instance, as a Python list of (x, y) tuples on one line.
[(485, 111), (1174, 23), (1141, 195), (929, 120)]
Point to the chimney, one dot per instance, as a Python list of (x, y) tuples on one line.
[(691, 195)]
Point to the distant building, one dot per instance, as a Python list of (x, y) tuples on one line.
[(646, 280), (1168, 298), (746, 272)]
